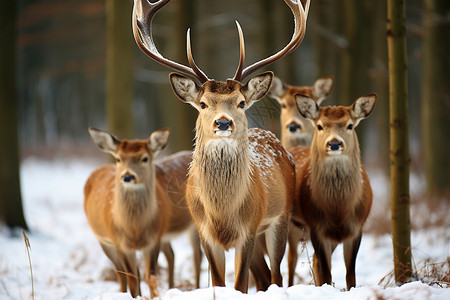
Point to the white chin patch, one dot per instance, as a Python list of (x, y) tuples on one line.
[(224, 133), (334, 152), (134, 186)]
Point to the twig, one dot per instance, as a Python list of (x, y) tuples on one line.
[(310, 265), (4, 287), (28, 247)]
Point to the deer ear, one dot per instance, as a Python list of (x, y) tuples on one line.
[(257, 87), (363, 107), (185, 88), (277, 88), (105, 141), (158, 139), (322, 88), (307, 107)]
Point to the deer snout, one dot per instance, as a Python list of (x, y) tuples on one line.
[(223, 124), (334, 145), (293, 127), (128, 178)]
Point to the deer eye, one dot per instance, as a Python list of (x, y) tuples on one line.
[(117, 160), (203, 105), (283, 105), (319, 127), (145, 159), (242, 104), (350, 127)]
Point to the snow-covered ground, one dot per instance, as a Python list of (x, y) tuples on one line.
[(67, 262)]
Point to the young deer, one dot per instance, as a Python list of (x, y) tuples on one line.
[(139, 204), (334, 193), (241, 182), (296, 130)]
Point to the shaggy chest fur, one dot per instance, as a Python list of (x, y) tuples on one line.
[(133, 221), (336, 192), (221, 176)]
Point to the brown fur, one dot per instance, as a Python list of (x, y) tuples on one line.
[(302, 135), (240, 187), (334, 193), (289, 114), (128, 219)]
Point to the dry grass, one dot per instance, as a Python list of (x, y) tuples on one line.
[(28, 247), (425, 213), (433, 273)]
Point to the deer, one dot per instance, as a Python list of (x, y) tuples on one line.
[(295, 131), (138, 204), (241, 181), (334, 195)]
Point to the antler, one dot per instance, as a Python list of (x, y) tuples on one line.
[(300, 16), (143, 13)]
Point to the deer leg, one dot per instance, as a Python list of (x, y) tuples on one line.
[(216, 259), (168, 253), (258, 267), (295, 234), (128, 261), (151, 261), (321, 260), (276, 237), (242, 262), (351, 248), (197, 254), (111, 253)]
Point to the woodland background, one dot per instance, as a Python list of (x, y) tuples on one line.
[(65, 50), (67, 65)]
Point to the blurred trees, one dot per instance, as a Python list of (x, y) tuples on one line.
[(436, 96), (62, 68), (119, 68), (11, 211), (399, 145)]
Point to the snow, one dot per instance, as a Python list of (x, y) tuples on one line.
[(67, 262)]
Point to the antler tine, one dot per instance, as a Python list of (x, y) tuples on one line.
[(200, 74), (143, 13), (238, 75), (300, 16)]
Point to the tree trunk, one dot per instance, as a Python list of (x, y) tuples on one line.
[(399, 140), (354, 65), (380, 84), (119, 68), (11, 211), (183, 115), (436, 97)]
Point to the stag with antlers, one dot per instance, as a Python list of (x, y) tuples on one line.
[(241, 182)]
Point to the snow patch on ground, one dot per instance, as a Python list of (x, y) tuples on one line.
[(67, 261)]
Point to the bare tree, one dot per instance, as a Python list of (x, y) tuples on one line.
[(399, 140), (119, 68), (11, 211), (436, 97)]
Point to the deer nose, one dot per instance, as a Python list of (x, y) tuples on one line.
[(223, 124), (293, 127), (334, 145), (127, 178)]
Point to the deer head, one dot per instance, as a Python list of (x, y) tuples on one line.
[(134, 158), (221, 105), (334, 125), (295, 129)]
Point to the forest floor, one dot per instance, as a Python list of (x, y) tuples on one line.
[(67, 262)]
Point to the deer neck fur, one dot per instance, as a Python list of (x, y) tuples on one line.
[(135, 205), (336, 181), (222, 173)]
